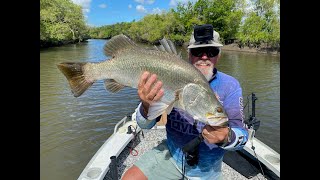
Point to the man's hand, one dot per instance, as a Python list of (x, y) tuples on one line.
[(149, 90), (215, 134)]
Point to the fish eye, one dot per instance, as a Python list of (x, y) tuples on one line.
[(219, 109)]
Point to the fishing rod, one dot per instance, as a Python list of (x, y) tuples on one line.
[(253, 124)]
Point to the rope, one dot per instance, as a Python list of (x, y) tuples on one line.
[(133, 151)]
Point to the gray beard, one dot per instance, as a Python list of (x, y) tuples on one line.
[(207, 72)]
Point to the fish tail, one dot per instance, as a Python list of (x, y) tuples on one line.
[(74, 73)]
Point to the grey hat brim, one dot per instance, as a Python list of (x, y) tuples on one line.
[(204, 45), (211, 43)]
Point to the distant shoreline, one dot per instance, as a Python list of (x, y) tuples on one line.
[(229, 47), (235, 47)]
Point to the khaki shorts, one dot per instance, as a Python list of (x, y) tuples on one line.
[(158, 164)]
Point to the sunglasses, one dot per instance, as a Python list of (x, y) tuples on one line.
[(210, 51)]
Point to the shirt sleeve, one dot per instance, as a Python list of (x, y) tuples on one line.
[(142, 121), (233, 105)]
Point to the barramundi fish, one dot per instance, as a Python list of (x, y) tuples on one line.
[(185, 87)]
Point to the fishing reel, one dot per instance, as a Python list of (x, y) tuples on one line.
[(253, 122), (192, 157), (191, 150)]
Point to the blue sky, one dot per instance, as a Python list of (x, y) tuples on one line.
[(106, 12)]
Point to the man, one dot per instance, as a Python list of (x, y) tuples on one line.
[(168, 160)]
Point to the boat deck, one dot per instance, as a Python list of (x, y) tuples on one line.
[(234, 166)]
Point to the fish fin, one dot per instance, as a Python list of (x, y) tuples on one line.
[(166, 45), (161, 48), (156, 48), (178, 98), (177, 94), (156, 109), (160, 107), (169, 108), (117, 43), (179, 54), (172, 46), (113, 86), (75, 75)]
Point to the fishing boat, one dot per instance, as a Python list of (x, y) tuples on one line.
[(128, 142)]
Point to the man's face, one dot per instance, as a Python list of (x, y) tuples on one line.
[(204, 59)]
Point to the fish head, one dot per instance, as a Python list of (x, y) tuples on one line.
[(217, 117), (201, 103)]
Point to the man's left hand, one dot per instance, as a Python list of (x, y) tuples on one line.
[(215, 134)]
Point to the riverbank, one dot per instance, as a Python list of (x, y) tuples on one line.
[(229, 47), (235, 47), (48, 44)]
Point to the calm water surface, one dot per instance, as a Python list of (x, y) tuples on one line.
[(72, 129)]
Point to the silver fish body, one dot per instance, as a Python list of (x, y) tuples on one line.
[(184, 85)]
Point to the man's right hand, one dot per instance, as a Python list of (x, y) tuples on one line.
[(149, 90)]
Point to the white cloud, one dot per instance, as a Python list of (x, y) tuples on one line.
[(86, 10), (174, 3), (150, 1), (130, 6), (102, 5), (85, 4), (91, 25), (249, 6), (156, 11), (141, 8), (139, 1), (145, 1)]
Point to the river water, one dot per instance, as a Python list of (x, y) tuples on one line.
[(73, 129)]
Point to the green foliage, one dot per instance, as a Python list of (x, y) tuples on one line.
[(262, 25), (154, 27), (151, 28), (61, 21), (107, 31), (187, 16), (252, 32), (224, 15)]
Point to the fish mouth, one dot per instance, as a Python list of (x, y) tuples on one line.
[(217, 120)]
